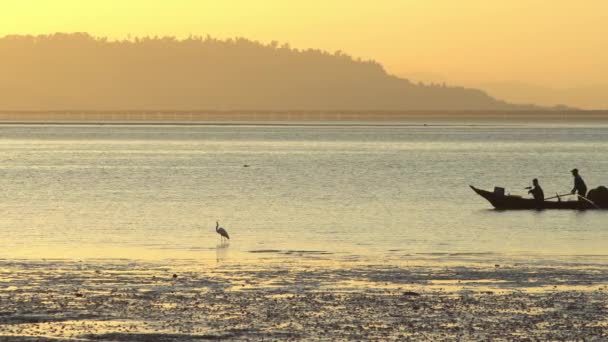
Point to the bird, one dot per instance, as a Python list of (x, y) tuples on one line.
[(223, 233)]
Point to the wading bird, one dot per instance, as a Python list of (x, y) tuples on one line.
[(223, 233)]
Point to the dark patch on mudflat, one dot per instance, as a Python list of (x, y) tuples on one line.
[(265, 251), (159, 337), (307, 252), (291, 252), (18, 338), (41, 318)]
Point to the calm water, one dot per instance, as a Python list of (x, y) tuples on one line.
[(389, 193)]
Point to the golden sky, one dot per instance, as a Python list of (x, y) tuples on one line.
[(547, 43)]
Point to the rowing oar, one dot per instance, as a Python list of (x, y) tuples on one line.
[(558, 196), (590, 201)]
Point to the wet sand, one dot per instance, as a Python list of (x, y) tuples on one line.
[(122, 300)]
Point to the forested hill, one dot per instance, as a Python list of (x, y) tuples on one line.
[(81, 72)]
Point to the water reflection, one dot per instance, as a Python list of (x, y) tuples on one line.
[(221, 251)]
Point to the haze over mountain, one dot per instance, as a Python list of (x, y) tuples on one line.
[(79, 72), (587, 97), (558, 45)]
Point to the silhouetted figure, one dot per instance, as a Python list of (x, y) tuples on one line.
[(537, 191), (580, 187), (223, 233)]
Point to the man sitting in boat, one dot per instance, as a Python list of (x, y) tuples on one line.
[(537, 191), (580, 187)]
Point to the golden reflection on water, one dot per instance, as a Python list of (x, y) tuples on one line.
[(389, 193)]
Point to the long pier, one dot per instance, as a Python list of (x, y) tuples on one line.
[(155, 116)]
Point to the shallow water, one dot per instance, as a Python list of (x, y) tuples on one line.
[(330, 192)]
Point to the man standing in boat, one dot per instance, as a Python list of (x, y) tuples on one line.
[(580, 187), (537, 192)]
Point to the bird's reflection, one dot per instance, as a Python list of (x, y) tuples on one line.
[(221, 251)]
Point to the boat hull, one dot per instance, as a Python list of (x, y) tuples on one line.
[(508, 202)]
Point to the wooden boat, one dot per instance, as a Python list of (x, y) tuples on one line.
[(500, 201)]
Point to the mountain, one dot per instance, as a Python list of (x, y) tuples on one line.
[(79, 72)]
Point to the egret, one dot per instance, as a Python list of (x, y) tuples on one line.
[(223, 233)]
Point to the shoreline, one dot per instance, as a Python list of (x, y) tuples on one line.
[(249, 123), (288, 117)]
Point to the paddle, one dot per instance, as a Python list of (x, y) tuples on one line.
[(590, 201), (558, 196)]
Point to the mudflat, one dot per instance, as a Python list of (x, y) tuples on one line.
[(123, 300)]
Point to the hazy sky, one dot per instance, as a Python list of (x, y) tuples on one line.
[(554, 43)]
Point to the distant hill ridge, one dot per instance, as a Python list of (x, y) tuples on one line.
[(79, 72)]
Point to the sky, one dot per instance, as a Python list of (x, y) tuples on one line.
[(531, 50)]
